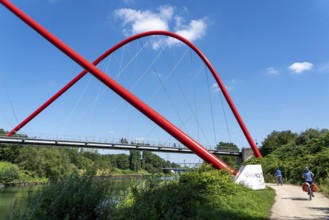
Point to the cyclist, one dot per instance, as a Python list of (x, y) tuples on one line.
[(278, 175), (308, 177)]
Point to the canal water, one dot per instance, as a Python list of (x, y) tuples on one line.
[(11, 196)]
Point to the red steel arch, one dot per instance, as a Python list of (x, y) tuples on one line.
[(133, 100)]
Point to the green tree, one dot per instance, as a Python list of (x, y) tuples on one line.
[(2, 132), (306, 136), (230, 160), (122, 161), (135, 160), (9, 174), (151, 162), (52, 163), (275, 140), (9, 152), (309, 148)]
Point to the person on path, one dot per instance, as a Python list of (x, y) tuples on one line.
[(278, 175), (308, 177)]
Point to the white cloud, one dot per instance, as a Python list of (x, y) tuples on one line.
[(137, 21), (195, 30), (141, 21), (272, 71), (298, 68), (229, 86), (215, 87)]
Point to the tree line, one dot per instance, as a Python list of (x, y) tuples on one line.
[(291, 152), (29, 163)]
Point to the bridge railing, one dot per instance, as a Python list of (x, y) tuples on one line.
[(99, 139), (122, 144)]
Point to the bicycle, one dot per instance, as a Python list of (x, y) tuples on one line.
[(279, 180), (309, 190)]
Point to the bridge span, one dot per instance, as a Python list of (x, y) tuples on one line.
[(105, 145)]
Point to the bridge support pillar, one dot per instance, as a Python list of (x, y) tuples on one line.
[(247, 153)]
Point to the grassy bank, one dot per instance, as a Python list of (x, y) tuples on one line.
[(202, 194), (210, 194)]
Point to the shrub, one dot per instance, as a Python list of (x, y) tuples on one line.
[(9, 173), (202, 194), (324, 187), (75, 197)]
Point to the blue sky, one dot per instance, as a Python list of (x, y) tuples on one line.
[(271, 55)]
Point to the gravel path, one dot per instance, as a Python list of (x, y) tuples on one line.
[(291, 203)]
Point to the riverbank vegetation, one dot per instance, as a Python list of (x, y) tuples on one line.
[(291, 152), (200, 194), (20, 164)]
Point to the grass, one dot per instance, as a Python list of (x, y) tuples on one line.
[(209, 194)]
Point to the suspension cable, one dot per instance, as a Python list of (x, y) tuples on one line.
[(211, 108), (75, 105), (225, 118), (8, 97)]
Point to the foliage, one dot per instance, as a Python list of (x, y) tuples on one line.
[(275, 140), (325, 186), (45, 162), (9, 173), (12, 174), (55, 163), (291, 152), (9, 152), (75, 197), (135, 160), (152, 163), (202, 194), (229, 160), (121, 161)]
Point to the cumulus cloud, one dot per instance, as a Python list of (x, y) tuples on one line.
[(141, 21), (137, 21), (193, 31), (298, 68), (272, 71)]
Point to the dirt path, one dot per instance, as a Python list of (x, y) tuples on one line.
[(291, 203)]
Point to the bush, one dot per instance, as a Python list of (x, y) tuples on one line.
[(9, 173), (202, 194), (75, 197), (324, 187)]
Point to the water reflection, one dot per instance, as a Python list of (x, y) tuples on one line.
[(11, 195)]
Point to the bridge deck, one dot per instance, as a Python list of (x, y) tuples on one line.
[(100, 145)]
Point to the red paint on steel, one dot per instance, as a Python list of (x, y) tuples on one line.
[(125, 94)]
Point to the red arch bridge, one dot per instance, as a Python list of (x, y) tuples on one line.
[(128, 96)]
